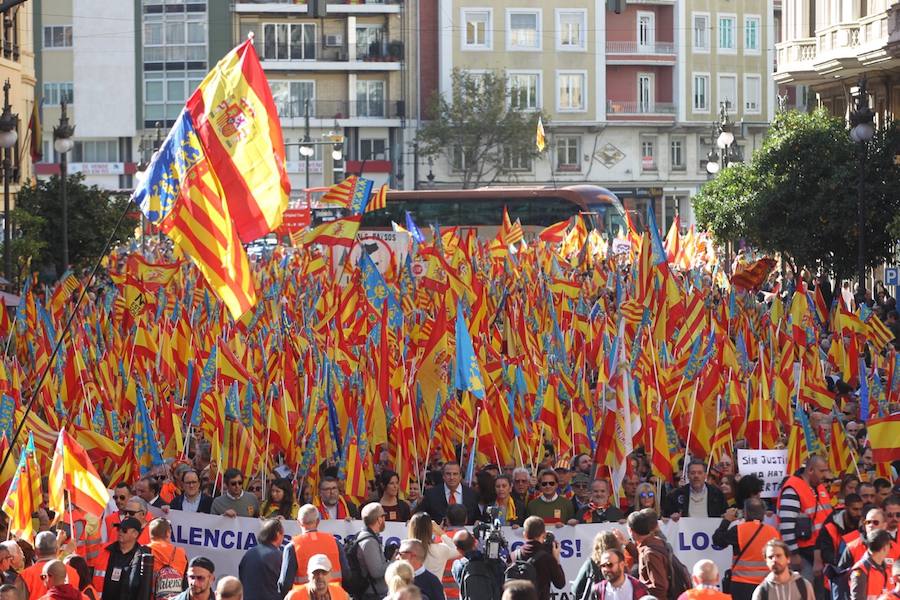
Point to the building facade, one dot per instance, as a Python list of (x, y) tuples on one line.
[(828, 45), (17, 67), (631, 96)]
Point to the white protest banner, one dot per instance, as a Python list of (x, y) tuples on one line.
[(768, 465), (225, 540)]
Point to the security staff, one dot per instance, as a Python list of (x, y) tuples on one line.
[(747, 540)]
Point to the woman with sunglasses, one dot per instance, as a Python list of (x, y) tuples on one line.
[(645, 496), (280, 501)]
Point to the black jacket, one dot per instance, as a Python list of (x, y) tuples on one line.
[(434, 503), (204, 507), (548, 570), (679, 501)]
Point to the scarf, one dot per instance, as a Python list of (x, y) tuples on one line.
[(510, 510), (342, 509), (592, 508)]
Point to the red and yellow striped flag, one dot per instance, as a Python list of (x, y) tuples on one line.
[(24, 496), (378, 200), (340, 193), (72, 470)]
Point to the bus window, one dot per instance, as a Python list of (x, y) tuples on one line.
[(546, 211)]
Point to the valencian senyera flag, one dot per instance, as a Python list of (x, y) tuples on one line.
[(219, 179)]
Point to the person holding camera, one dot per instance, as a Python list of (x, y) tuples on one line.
[(541, 552), (477, 577)]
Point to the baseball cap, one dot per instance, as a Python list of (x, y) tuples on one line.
[(318, 562), (581, 478), (130, 523), (203, 563)]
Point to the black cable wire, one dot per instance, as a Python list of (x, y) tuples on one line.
[(62, 336)]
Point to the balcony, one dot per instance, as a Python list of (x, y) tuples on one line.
[(325, 112), (378, 56), (632, 52), (630, 110), (334, 6)]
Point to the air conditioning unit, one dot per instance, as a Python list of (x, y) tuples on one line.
[(334, 41)]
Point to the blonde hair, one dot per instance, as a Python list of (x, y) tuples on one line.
[(398, 575), (603, 541), (646, 487)]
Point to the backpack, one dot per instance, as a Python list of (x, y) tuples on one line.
[(354, 581), (522, 569), (167, 581), (679, 575), (477, 582), (764, 589)]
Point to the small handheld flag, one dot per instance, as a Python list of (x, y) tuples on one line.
[(540, 139)]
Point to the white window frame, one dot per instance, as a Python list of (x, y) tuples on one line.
[(694, 108), (510, 47), (289, 83), (683, 144), (539, 96), (51, 28), (369, 84), (582, 14), (734, 33), (289, 31), (707, 31), (758, 109), (371, 142), (488, 30), (651, 16), (584, 90), (749, 19), (569, 168), (651, 93), (733, 109), (53, 91), (654, 144)]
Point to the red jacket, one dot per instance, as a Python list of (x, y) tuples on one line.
[(62, 592)]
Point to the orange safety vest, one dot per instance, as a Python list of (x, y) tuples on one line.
[(815, 504), (451, 588), (36, 586), (308, 544), (335, 591), (877, 581), (750, 561), (101, 567)]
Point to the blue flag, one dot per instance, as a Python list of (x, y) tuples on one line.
[(863, 391), (147, 450), (468, 375), (413, 229)]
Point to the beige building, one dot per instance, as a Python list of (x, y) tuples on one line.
[(346, 74), (632, 96), (17, 67), (829, 44)]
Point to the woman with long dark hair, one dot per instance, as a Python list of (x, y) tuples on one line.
[(395, 509), (280, 501)]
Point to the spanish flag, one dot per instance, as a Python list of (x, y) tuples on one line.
[(72, 470), (540, 139), (556, 233), (884, 437), (340, 232)]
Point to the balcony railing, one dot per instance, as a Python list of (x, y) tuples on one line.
[(620, 107), (343, 2), (796, 51), (638, 48), (375, 52), (343, 109)]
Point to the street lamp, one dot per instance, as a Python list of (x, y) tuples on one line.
[(862, 130), (8, 138), (63, 143), (715, 161)]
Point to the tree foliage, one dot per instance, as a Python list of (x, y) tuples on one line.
[(798, 195), (38, 223), (479, 123)]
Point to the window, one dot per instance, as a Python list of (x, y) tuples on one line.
[(648, 155), (572, 30), (701, 93), (726, 33), (284, 41), (751, 34), (175, 37), (676, 154), (291, 96), (645, 93), (458, 159), (516, 161), (523, 30), (166, 92), (568, 151), (477, 32), (524, 91), (375, 149), (646, 34), (54, 93), (570, 91), (728, 91), (752, 93), (370, 41), (701, 32), (58, 36), (95, 151), (369, 98)]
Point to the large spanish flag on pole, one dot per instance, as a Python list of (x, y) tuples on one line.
[(884, 436), (237, 122)]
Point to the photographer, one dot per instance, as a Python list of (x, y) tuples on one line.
[(478, 577), (542, 551), (372, 555)]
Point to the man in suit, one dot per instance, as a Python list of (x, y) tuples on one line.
[(148, 488), (192, 500), (438, 498)]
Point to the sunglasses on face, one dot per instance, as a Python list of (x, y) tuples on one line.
[(873, 522), (548, 484), (236, 482), (608, 565), (893, 515), (648, 495), (122, 498), (521, 481), (130, 513), (159, 477)]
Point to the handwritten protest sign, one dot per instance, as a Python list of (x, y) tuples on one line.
[(769, 465)]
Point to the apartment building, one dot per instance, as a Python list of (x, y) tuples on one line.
[(343, 74), (829, 45), (17, 67), (631, 97)]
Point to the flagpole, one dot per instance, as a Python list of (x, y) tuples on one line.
[(61, 336)]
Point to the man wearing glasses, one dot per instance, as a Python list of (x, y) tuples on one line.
[(550, 506), (892, 519), (193, 499), (599, 510), (235, 502), (136, 508), (117, 573), (30, 583), (521, 485)]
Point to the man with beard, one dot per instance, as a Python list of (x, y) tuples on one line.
[(781, 583), (616, 583)]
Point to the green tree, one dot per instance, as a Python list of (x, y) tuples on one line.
[(798, 195), (479, 129), (38, 223)]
